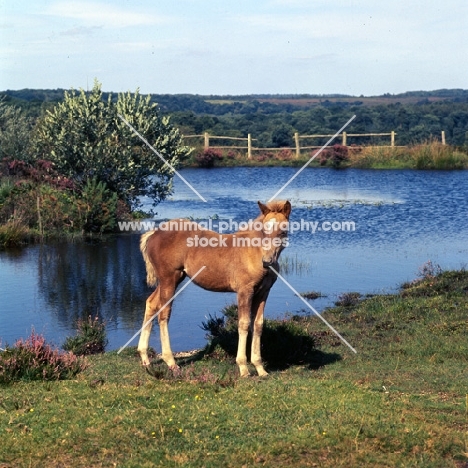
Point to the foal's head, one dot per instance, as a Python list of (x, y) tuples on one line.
[(275, 219)]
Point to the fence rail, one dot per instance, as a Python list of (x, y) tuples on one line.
[(297, 147)]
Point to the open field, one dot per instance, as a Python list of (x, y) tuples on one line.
[(350, 100), (401, 401)]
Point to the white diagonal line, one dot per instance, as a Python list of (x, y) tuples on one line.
[(313, 310), (312, 158), (157, 153), (159, 311)]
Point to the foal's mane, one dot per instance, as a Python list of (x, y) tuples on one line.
[(275, 206)]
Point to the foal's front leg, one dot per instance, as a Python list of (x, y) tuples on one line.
[(257, 312), (244, 303)]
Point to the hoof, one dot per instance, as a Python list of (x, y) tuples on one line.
[(175, 370), (261, 371)]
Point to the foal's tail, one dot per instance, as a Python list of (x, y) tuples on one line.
[(151, 277)]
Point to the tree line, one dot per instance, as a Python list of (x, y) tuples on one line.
[(415, 116)]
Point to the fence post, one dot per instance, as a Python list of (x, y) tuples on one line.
[(207, 140), (392, 138), (443, 137), (344, 139), (249, 146), (298, 148)]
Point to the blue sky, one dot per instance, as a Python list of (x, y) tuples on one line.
[(364, 47)]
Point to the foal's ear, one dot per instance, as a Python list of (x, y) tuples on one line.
[(263, 208), (286, 210)]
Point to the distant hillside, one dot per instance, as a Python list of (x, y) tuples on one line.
[(415, 116), (246, 104)]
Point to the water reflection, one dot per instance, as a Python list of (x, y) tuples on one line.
[(104, 278)]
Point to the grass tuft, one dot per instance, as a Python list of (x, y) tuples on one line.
[(13, 233), (312, 295), (429, 155), (348, 299)]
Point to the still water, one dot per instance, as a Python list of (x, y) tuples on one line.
[(402, 219)]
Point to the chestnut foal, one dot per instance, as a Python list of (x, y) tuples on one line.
[(237, 262)]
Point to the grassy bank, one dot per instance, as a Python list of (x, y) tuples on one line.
[(431, 155), (401, 401)]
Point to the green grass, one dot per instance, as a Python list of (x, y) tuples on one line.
[(401, 401), (13, 234), (430, 155)]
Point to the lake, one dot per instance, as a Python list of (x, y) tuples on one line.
[(401, 220)]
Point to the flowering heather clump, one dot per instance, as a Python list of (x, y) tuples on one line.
[(33, 359), (429, 270), (208, 157), (335, 155), (91, 338)]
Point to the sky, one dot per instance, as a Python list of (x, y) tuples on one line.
[(367, 47)]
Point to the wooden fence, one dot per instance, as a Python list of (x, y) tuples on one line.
[(297, 140)]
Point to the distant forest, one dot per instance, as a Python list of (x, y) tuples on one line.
[(273, 119)]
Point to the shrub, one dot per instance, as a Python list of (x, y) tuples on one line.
[(85, 138), (15, 132), (33, 359), (6, 187), (40, 199), (208, 157), (97, 206), (91, 338)]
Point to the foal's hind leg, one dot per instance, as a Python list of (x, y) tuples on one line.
[(151, 309), (159, 303)]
